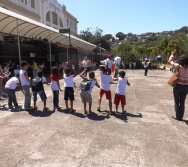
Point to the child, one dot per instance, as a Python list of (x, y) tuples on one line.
[(69, 91), (25, 82), (10, 87), (120, 90), (40, 90), (54, 77), (106, 80), (86, 95)]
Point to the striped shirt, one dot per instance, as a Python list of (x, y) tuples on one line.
[(183, 72)]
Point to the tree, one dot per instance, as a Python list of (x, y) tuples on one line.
[(120, 35), (96, 38), (107, 37), (180, 41)]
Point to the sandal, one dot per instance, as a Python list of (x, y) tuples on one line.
[(98, 109)]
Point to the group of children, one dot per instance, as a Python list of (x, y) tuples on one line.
[(86, 87)]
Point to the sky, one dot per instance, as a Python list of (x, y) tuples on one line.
[(129, 16)]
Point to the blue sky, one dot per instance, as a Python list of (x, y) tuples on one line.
[(136, 16)]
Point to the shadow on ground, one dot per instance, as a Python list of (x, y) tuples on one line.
[(124, 116), (39, 113)]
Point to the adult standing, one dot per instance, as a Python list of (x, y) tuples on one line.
[(108, 62), (146, 66), (134, 65), (181, 90), (85, 64), (35, 69), (25, 82)]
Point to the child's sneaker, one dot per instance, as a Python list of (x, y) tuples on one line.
[(98, 109)]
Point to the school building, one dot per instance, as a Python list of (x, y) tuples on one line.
[(29, 29)]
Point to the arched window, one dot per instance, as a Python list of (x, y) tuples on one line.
[(54, 18), (60, 23), (48, 16)]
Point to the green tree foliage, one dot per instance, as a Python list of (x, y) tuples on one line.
[(120, 35), (96, 38), (127, 52), (180, 41)]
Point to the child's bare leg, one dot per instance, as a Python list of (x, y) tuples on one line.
[(110, 105), (71, 104), (90, 105), (99, 102), (117, 107), (45, 104), (85, 104), (34, 103), (66, 104), (123, 106)]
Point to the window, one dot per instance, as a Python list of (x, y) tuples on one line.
[(33, 4), (54, 17), (60, 23), (48, 16), (23, 1)]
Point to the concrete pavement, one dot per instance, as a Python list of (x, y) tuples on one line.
[(146, 136)]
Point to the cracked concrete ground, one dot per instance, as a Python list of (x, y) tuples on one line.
[(146, 136)]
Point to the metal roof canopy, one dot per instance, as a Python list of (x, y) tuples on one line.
[(10, 22)]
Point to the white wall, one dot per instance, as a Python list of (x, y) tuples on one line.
[(39, 12)]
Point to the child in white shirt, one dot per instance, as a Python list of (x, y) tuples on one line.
[(25, 82), (10, 88), (106, 80), (69, 91), (120, 90)]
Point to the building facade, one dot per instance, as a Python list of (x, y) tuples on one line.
[(48, 12)]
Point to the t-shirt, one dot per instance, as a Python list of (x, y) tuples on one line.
[(68, 81), (121, 86), (117, 60), (43, 79), (85, 63), (146, 64), (23, 79), (105, 81), (6, 70), (108, 63), (12, 83), (91, 86), (35, 67), (54, 79), (16, 71)]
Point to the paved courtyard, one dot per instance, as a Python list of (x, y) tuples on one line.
[(146, 136)]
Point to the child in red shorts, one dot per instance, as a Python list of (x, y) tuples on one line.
[(120, 90), (106, 80)]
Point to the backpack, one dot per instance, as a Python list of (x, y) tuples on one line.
[(85, 85), (37, 84)]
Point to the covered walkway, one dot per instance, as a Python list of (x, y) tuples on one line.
[(14, 24)]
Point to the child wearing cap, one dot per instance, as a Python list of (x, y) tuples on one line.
[(108, 62)]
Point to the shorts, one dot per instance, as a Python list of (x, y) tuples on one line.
[(86, 97), (69, 93), (107, 92), (41, 93), (119, 98)]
